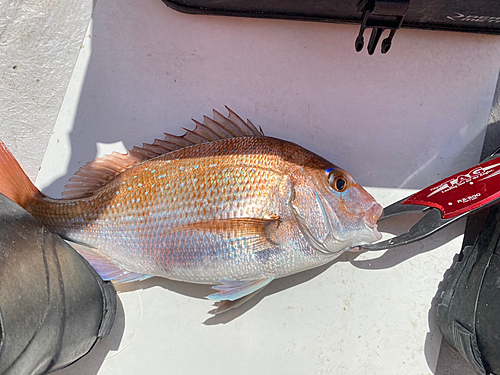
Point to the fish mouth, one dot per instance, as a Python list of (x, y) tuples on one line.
[(368, 235), (372, 215)]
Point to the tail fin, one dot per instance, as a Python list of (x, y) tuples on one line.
[(14, 183)]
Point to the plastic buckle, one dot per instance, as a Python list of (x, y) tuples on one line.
[(380, 15)]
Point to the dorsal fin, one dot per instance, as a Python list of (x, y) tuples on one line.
[(96, 173)]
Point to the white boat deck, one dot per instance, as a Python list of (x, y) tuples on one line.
[(397, 122)]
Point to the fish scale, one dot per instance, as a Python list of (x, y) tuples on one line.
[(176, 201), (222, 204)]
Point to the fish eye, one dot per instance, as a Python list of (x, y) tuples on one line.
[(338, 181)]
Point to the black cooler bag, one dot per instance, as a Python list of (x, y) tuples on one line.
[(481, 16)]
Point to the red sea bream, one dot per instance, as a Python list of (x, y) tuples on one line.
[(222, 205)]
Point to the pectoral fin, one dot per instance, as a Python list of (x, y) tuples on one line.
[(234, 293), (256, 234), (223, 306)]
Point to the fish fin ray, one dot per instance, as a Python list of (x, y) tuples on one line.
[(240, 124), (226, 305), (257, 234), (216, 127), (194, 136), (254, 128), (227, 125), (205, 131), (14, 183), (98, 172), (232, 290), (235, 125), (105, 267)]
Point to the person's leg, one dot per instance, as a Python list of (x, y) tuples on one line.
[(53, 306)]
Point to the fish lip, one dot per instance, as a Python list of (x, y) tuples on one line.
[(374, 234), (372, 215), (365, 235), (377, 234)]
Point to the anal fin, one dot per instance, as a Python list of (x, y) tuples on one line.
[(105, 267)]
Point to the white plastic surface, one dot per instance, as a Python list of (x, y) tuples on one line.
[(39, 44), (396, 122)]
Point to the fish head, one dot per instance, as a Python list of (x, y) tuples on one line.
[(334, 212)]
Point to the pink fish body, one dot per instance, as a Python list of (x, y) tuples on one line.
[(222, 204)]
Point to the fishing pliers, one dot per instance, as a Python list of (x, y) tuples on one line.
[(445, 202)]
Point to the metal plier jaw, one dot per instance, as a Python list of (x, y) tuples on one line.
[(445, 202), (429, 224)]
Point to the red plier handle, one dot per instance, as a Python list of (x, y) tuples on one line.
[(446, 201)]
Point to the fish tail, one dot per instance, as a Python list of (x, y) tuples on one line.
[(14, 183)]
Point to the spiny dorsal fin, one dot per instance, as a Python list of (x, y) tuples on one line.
[(96, 173)]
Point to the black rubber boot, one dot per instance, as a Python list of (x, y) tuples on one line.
[(469, 314), (53, 306)]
